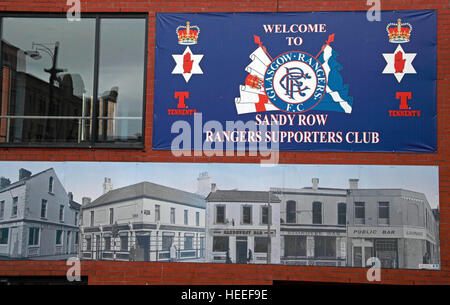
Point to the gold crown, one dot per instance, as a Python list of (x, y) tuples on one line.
[(399, 32), (188, 34)]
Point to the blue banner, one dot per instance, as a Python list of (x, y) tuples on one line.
[(310, 81)]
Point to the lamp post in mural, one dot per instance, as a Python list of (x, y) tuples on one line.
[(268, 228), (35, 53), (114, 233)]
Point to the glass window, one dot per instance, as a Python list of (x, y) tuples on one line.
[(107, 243), (43, 208), (58, 237), (4, 236), (186, 217), (61, 213), (121, 79), (197, 219), (2, 209), (295, 245), (48, 80), (264, 215), (383, 212), (360, 212), (50, 185), (172, 215), (88, 243), (167, 241), (246, 214), (92, 218), (291, 212), (157, 212), (342, 213), (220, 214), (188, 242), (111, 216), (220, 243), (325, 246), (261, 245), (76, 218), (124, 243), (317, 212), (14, 206), (33, 236)]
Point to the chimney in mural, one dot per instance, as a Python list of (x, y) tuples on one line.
[(107, 185), (203, 184)]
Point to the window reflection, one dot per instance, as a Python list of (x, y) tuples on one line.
[(121, 79), (48, 80)]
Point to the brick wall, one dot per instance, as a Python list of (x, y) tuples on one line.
[(188, 273)]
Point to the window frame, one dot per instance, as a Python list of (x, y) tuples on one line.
[(243, 207), (363, 206), (15, 207), (289, 213), (186, 217), (157, 212), (140, 144), (314, 219), (173, 217), (386, 206), (339, 213), (61, 213), (216, 214), (2, 209), (60, 238), (44, 202), (38, 237), (7, 236)]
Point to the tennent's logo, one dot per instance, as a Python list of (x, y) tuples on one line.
[(182, 108), (404, 109)]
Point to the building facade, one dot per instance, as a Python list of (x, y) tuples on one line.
[(141, 222), (395, 225), (239, 226), (313, 225), (38, 218)]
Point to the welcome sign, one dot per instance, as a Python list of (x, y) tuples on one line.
[(318, 81)]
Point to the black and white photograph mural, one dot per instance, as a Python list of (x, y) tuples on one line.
[(311, 215)]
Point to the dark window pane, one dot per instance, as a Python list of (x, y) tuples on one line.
[(4, 236), (107, 243), (295, 245), (121, 79), (324, 247), (291, 212), (342, 213), (124, 243), (360, 210), (188, 242), (220, 214), (265, 215), (220, 243), (247, 215), (317, 212), (48, 75), (166, 242), (261, 244)]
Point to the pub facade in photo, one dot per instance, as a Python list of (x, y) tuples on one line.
[(144, 222), (313, 225), (395, 225), (242, 227)]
